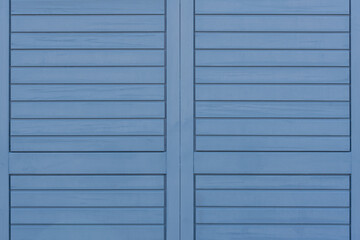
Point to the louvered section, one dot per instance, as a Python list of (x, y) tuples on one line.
[(87, 76), (84, 207), (272, 207), (272, 76)]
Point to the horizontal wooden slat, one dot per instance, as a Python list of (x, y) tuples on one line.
[(87, 216), (273, 198), (272, 127), (95, 143), (88, 92), (86, 40), (87, 57), (87, 127), (87, 182), (277, 7), (270, 92), (87, 163), (273, 40), (272, 182), (88, 7), (88, 110), (206, 215), (88, 75), (282, 23), (87, 23), (273, 109), (273, 162), (271, 75), (87, 232), (272, 143), (263, 232), (270, 58), (88, 198)]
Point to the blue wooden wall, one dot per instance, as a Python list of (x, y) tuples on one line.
[(179, 120)]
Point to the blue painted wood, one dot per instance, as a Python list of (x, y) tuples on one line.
[(87, 143), (273, 143), (277, 7), (4, 120), (87, 75), (273, 163), (330, 127), (272, 40), (223, 109), (355, 115), (187, 119), (281, 23), (283, 215), (300, 75), (269, 92), (272, 182), (88, 127), (76, 216), (87, 58), (273, 198), (173, 118), (88, 232), (339, 58), (104, 76), (21, 182), (92, 92), (86, 40), (87, 163), (111, 109), (265, 232), (87, 23), (88, 7), (87, 198)]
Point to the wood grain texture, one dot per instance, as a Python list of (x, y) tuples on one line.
[(257, 232), (87, 127), (273, 162), (88, 7), (273, 109), (273, 198), (279, 23), (289, 58), (110, 232), (272, 40), (272, 75), (88, 92), (272, 143), (331, 127), (111, 182), (87, 58), (86, 40), (87, 23), (243, 215), (277, 7), (88, 143), (215, 92), (87, 216), (272, 182), (88, 75), (87, 163), (88, 110), (88, 198)]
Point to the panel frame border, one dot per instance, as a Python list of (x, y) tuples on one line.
[(4, 118)]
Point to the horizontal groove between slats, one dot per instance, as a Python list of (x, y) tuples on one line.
[(89, 49), (88, 101), (88, 14), (270, 14)]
